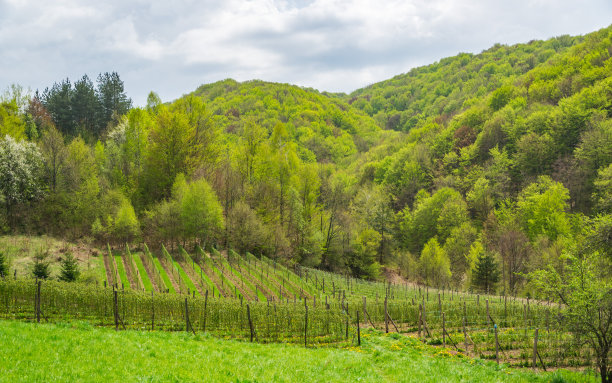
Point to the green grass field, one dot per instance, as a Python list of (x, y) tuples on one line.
[(163, 274), (71, 352), (143, 272), (122, 273), (186, 278)]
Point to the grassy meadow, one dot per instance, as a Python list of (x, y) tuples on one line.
[(79, 352)]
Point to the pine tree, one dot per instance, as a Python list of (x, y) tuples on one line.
[(41, 267), (3, 265), (486, 274), (70, 269)]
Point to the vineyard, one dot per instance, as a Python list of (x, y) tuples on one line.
[(245, 297)]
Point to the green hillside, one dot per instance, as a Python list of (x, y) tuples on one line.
[(472, 172)]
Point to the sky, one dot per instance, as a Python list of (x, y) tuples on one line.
[(172, 47)]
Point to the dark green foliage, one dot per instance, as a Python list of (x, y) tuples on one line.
[(40, 270), (70, 269), (486, 274), (81, 109), (3, 265)]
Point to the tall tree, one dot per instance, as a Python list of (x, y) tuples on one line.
[(84, 107), (113, 101), (486, 273), (58, 101), (20, 173)]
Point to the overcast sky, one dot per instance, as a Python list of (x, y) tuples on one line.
[(172, 47)]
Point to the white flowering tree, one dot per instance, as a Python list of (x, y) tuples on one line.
[(20, 173)]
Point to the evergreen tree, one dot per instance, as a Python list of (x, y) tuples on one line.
[(3, 265), (112, 100), (70, 269), (486, 274), (41, 266)]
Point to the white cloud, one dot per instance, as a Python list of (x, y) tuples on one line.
[(335, 45)]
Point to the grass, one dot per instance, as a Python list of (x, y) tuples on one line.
[(121, 271), (71, 352), (21, 250), (209, 285), (186, 279), (143, 272), (163, 274)]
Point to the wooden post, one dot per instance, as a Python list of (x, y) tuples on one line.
[(347, 322), (443, 330), (535, 349), (439, 305), (305, 323), (505, 308), (386, 317), (488, 323), (38, 301), (420, 319), (116, 310), (358, 331), (496, 345), (250, 321), (186, 316), (205, 304), (465, 339), (525, 319), (152, 312)]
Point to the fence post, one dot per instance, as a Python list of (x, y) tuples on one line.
[(420, 319), (115, 310), (464, 330), (305, 323), (205, 304), (38, 301), (443, 330), (535, 349), (250, 321), (364, 308), (152, 312), (496, 345), (386, 317), (358, 331)]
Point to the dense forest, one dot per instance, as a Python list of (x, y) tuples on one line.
[(471, 172)]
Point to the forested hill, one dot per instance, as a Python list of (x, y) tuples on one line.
[(472, 171), (325, 129)]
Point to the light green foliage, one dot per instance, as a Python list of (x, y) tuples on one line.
[(583, 286), (542, 209), (200, 212), (603, 190), (169, 152), (125, 223), (78, 185), (366, 248), (434, 265), (11, 123), (433, 215), (457, 247)]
